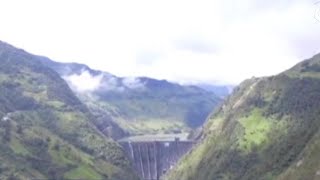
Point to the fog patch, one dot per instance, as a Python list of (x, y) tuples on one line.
[(84, 82), (122, 84), (133, 83), (112, 84)]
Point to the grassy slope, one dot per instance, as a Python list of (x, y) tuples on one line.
[(45, 131), (268, 129)]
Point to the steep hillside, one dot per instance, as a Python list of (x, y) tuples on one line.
[(138, 105), (267, 129), (45, 131)]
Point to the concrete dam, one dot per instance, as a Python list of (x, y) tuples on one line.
[(153, 157)]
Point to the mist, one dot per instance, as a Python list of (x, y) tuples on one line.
[(86, 82)]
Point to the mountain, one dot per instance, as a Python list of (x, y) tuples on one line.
[(46, 132), (220, 90), (137, 105), (267, 129)]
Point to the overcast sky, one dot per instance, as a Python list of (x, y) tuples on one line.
[(217, 41)]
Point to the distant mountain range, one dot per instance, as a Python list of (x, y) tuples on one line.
[(269, 128), (138, 105)]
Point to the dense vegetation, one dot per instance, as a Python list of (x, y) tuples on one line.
[(143, 105), (267, 129), (45, 131)]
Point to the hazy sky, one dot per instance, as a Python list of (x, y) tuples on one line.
[(217, 41)]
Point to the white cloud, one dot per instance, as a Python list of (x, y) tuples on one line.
[(222, 41), (111, 84), (84, 82), (133, 83)]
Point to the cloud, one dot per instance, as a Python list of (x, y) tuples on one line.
[(216, 41), (112, 84), (133, 83), (84, 82)]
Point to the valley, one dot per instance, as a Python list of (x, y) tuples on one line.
[(160, 90), (138, 105), (122, 128), (148, 129)]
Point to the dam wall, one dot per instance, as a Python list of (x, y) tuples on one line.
[(151, 159)]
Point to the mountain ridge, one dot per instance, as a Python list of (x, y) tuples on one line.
[(267, 129), (159, 105), (46, 132)]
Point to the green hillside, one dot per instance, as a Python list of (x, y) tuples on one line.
[(45, 131), (267, 129)]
